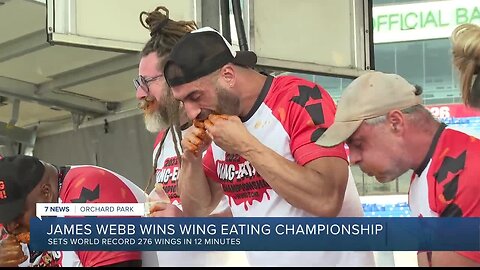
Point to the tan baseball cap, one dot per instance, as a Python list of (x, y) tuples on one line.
[(371, 95)]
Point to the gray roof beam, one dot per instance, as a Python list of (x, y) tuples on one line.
[(90, 73), (23, 45), (25, 91)]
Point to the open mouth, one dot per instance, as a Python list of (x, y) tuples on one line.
[(148, 107), (147, 103), (204, 114)]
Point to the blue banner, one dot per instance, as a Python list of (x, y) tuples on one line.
[(255, 234)]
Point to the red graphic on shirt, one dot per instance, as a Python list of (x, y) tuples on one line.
[(111, 188), (50, 259), (3, 193), (240, 181), (452, 177), (168, 176)]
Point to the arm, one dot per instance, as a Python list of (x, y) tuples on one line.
[(225, 213), (194, 206), (160, 208), (317, 178), (323, 180), (318, 187), (223, 209), (199, 195)]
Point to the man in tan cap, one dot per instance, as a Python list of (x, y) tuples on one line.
[(388, 130)]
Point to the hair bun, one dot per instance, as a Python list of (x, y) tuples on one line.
[(155, 21)]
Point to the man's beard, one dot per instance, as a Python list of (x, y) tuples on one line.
[(158, 116), (154, 122), (227, 103)]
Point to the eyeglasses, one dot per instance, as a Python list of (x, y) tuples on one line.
[(143, 82)]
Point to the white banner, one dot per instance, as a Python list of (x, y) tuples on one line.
[(425, 20)]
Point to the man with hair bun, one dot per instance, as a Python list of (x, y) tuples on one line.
[(165, 116)]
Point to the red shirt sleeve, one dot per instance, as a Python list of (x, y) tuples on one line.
[(305, 110), (453, 179), (95, 185)]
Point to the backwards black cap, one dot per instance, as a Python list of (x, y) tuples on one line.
[(200, 53), (19, 175)]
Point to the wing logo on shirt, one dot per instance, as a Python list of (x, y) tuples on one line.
[(168, 176), (169, 171), (240, 181)]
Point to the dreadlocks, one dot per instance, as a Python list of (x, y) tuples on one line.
[(164, 34)]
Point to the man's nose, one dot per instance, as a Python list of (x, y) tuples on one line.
[(354, 157), (140, 93), (191, 110)]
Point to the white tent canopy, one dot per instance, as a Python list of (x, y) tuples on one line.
[(69, 64)]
